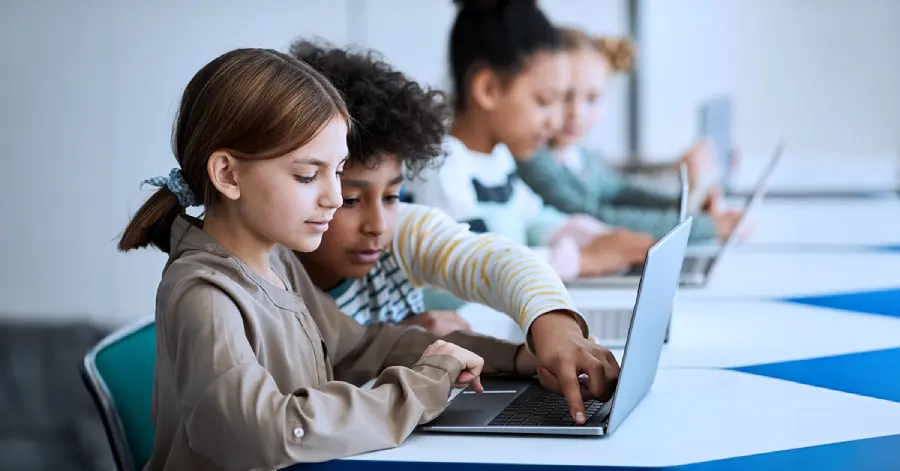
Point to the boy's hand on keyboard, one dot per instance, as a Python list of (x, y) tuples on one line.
[(439, 323), (472, 364), (563, 354)]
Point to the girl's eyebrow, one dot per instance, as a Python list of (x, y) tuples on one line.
[(310, 161), (356, 183)]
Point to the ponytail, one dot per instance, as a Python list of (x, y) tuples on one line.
[(619, 52), (256, 104), (152, 223)]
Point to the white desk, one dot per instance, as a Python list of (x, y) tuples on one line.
[(771, 274), (690, 416), (798, 172), (700, 410), (734, 334), (811, 223), (774, 274)]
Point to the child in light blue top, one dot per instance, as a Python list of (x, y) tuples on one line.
[(571, 179)]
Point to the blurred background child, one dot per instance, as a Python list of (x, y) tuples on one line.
[(573, 180)]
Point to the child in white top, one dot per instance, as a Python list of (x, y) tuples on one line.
[(510, 75)]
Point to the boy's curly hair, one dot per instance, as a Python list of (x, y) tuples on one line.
[(392, 114)]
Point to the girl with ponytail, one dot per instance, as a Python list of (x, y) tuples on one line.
[(574, 181), (256, 368)]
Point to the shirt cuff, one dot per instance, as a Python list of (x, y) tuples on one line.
[(447, 363), (565, 258), (581, 228), (579, 319)]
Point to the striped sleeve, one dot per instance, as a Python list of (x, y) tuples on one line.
[(489, 269)]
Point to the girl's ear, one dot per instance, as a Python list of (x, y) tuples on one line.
[(221, 168), (486, 88)]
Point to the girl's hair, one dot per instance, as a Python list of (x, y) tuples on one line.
[(618, 52), (252, 103), (498, 34)]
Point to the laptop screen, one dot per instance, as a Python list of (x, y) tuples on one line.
[(650, 322), (758, 193), (716, 123), (685, 192)]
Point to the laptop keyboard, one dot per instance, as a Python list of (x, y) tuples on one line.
[(690, 265), (634, 270), (539, 407), (608, 323), (694, 265)]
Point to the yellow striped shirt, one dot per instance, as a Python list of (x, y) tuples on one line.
[(434, 250)]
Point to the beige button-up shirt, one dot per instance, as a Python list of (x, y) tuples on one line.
[(250, 376)]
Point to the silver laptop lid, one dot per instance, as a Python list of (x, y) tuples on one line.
[(652, 311), (685, 192), (716, 122), (762, 185)]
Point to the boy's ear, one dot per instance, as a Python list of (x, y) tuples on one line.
[(222, 170), (486, 88)]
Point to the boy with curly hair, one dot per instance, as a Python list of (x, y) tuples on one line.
[(378, 253)]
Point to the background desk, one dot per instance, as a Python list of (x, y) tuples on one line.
[(879, 174), (773, 274), (854, 223)]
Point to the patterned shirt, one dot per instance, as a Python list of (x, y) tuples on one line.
[(385, 294)]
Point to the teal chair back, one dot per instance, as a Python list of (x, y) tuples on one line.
[(118, 373)]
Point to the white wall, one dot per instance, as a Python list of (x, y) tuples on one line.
[(825, 74), (89, 89), (89, 93)]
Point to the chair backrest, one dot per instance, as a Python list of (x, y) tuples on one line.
[(118, 373)]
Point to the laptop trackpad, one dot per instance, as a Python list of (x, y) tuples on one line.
[(473, 409)]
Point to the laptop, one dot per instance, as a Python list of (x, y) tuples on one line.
[(699, 264), (861, 192), (715, 121), (610, 324), (685, 192), (522, 406)]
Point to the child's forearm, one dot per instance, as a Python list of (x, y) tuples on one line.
[(386, 345), (483, 268), (242, 421), (238, 416), (655, 222)]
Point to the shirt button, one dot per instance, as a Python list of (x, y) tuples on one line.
[(298, 432)]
